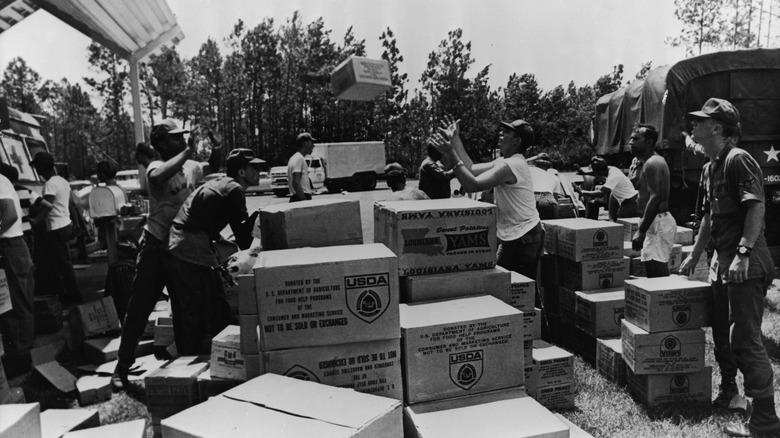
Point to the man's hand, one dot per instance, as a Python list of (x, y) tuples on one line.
[(638, 240), (738, 269), (687, 265), (442, 144)]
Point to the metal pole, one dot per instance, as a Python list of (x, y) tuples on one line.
[(135, 92)]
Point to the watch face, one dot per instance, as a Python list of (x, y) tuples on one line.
[(742, 250)]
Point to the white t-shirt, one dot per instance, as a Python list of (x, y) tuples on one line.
[(7, 191), (516, 202), (59, 216), (298, 164), (165, 201), (620, 185)]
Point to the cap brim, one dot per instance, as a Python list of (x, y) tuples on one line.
[(507, 126), (178, 131), (256, 161), (700, 114)]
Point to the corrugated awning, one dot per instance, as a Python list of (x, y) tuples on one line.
[(133, 29)]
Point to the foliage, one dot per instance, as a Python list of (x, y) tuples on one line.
[(20, 85), (718, 24)]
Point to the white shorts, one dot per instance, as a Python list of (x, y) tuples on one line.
[(659, 239)]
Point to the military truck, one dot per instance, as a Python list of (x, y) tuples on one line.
[(21, 138), (750, 79)]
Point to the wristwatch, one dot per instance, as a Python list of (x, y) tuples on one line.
[(744, 250)]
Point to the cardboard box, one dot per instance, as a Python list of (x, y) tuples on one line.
[(151, 322), (667, 303), (106, 348), (663, 389), (163, 333), (247, 297), (227, 362), (630, 226), (528, 351), (93, 389), (314, 223), (495, 282), (574, 430), (460, 347), (552, 365), (440, 235), (57, 422), (559, 396), (637, 267), (522, 291), (629, 251), (609, 360), (20, 421), (551, 235), (252, 365), (371, 367), (531, 377), (680, 351), (675, 258), (599, 314), (173, 387), (57, 375), (532, 324), (597, 274), (325, 296), (684, 236), (284, 407), (498, 414), (583, 240), (249, 339), (95, 318), (359, 78), (210, 386), (128, 429), (701, 272)]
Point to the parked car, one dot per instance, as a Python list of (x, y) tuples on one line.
[(128, 180)]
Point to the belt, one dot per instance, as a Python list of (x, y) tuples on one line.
[(629, 199)]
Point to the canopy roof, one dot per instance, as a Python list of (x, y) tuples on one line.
[(133, 29), (750, 79)]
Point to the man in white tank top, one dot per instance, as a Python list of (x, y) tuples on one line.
[(520, 231)]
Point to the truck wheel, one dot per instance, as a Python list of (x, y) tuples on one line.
[(280, 193), (369, 181), (332, 187), (357, 182)]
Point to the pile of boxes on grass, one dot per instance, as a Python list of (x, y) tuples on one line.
[(420, 324)]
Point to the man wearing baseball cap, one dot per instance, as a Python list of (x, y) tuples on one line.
[(520, 232), (733, 220), (168, 187), (298, 171), (200, 309)]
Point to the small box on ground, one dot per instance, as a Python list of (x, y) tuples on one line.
[(680, 351), (560, 396), (359, 78), (95, 318), (552, 365), (128, 429), (609, 360), (498, 414), (663, 389), (313, 223), (583, 240), (287, 407), (495, 281), (599, 314), (106, 348), (163, 333), (459, 347), (20, 420), (684, 236), (173, 387), (440, 235), (371, 367), (93, 389), (630, 226), (522, 291), (596, 274), (57, 422), (667, 303), (227, 362), (323, 296)]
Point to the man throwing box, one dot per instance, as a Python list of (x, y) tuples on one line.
[(657, 228), (734, 222)]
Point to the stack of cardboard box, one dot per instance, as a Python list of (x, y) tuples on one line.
[(330, 315), (582, 267), (173, 387), (551, 378), (662, 340)]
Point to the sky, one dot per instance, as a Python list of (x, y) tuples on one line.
[(556, 40)]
